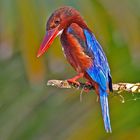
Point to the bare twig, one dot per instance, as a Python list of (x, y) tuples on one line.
[(119, 87)]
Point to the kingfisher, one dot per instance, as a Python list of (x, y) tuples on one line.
[(83, 52)]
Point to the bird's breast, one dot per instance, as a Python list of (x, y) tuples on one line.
[(73, 42)]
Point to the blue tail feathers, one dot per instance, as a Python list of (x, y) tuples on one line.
[(105, 110)]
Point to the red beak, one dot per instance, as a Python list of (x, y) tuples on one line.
[(47, 41)]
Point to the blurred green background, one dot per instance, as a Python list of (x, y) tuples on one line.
[(29, 110)]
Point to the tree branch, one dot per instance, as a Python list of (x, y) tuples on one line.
[(119, 87)]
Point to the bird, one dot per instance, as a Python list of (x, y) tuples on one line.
[(83, 52)]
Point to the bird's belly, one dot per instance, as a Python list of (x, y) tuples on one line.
[(72, 41), (77, 58)]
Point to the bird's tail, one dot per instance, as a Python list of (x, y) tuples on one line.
[(105, 110)]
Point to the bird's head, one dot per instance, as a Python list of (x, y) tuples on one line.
[(57, 22)]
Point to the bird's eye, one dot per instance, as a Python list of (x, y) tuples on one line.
[(57, 21)]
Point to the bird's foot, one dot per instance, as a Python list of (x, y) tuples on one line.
[(73, 81), (88, 84)]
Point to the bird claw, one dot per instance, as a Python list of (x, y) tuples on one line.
[(88, 83), (72, 81)]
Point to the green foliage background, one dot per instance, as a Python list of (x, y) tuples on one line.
[(29, 110)]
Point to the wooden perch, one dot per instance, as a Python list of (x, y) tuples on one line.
[(119, 87)]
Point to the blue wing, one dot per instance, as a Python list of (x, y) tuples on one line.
[(100, 69), (100, 73)]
